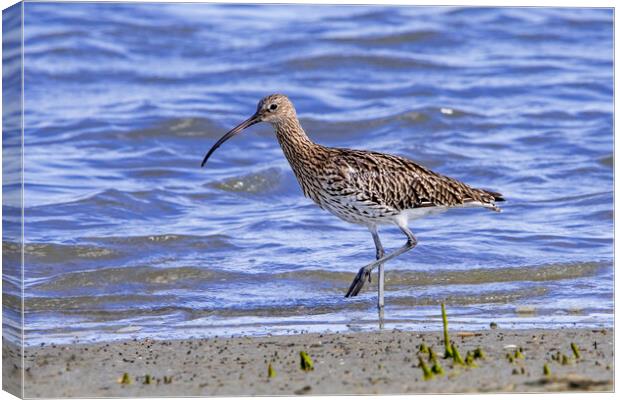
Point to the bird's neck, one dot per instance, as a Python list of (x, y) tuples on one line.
[(296, 145), (305, 157)]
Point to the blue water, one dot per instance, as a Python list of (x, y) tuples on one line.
[(127, 236)]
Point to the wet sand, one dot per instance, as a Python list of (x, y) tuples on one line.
[(383, 362)]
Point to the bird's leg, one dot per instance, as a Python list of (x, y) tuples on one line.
[(380, 254), (360, 278)]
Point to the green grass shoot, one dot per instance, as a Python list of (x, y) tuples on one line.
[(125, 379), (518, 354), (478, 353), (575, 350), (469, 360), (428, 374), (432, 356), (446, 337), (456, 355), (306, 362), (437, 369)]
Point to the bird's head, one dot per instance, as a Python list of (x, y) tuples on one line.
[(274, 109)]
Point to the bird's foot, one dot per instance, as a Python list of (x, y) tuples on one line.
[(358, 282)]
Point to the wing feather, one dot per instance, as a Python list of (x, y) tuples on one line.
[(399, 183)]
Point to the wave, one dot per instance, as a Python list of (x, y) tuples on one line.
[(539, 273), (405, 37), (122, 306), (101, 280), (260, 182), (358, 60), (110, 248)]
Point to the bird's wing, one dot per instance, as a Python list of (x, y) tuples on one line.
[(399, 183)]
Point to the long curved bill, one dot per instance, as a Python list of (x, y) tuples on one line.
[(234, 131)]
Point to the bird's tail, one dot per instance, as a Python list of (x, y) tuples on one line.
[(497, 197)]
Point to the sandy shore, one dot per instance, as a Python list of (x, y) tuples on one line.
[(373, 362)]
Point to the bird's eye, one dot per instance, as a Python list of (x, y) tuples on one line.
[(273, 107)]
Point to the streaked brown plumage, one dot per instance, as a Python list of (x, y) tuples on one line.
[(362, 187)]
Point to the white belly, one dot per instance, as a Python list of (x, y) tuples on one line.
[(416, 213), (353, 210)]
